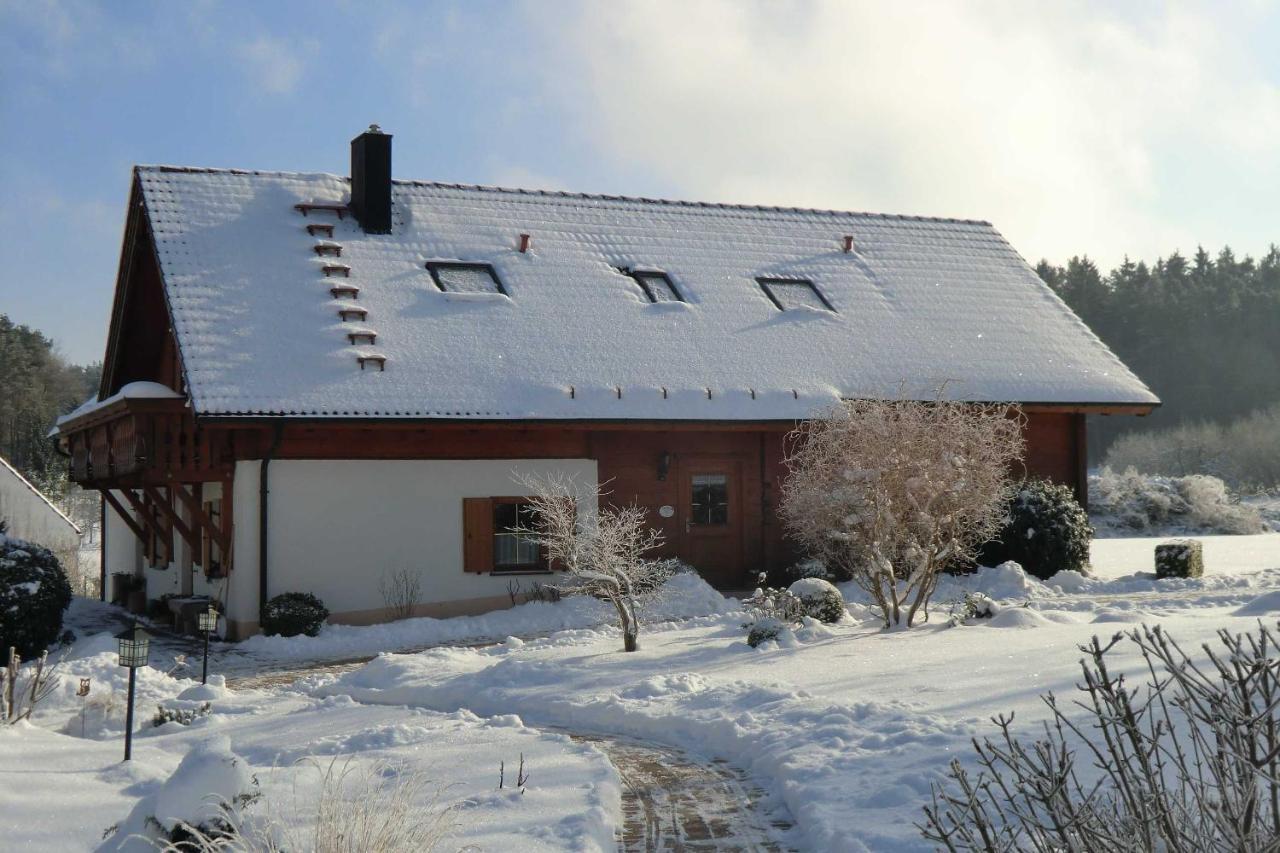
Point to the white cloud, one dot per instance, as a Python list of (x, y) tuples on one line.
[(1070, 126), (274, 64)]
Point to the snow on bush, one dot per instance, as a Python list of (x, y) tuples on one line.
[(1045, 531), (888, 493), (1146, 503), (972, 605), (1180, 558), (207, 792), (293, 613), (34, 593), (771, 612), (820, 599)]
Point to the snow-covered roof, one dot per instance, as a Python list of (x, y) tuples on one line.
[(918, 303)]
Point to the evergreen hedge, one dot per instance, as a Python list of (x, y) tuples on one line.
[(34, 594)]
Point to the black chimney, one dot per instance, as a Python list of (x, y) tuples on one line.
[(371, 180)]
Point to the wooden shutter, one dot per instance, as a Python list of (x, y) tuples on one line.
[(477, 534)]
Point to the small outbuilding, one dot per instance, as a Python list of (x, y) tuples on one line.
[(29, 515)]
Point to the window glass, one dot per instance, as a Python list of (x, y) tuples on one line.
[(465, 278), (788, 294), (513, 546), (658, 287), (709, 503)]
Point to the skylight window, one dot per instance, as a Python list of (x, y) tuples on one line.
[(657, 286), (789, 293), (454, 277)]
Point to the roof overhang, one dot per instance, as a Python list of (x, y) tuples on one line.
[(372, 421)]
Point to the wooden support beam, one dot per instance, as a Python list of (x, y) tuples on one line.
[(201, 519), (166, 507), (124, 514), (148, 519)]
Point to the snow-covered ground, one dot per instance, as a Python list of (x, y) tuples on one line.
[(842, 728)]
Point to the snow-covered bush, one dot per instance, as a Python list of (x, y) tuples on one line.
[(293, 613), (887, 493), (770, 612), (1180, 558), (34, 593), (1190, 764), (972, 605), (820, 599), (1148, 503), (603, 552), (763, 630), (1045, 531), (205, 797), (377, 808), (181, 716)]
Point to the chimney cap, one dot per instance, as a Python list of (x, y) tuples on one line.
[(374, 128)]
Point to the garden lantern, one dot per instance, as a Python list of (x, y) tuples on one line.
[(208, 624), (135, 648)]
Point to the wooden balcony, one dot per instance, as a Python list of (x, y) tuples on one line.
[(137, 442)]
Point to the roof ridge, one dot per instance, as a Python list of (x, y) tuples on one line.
[(585, 196)]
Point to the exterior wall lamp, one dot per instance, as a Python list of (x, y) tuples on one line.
[(664, 464)]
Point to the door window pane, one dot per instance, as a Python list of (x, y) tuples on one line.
[(710, 500)]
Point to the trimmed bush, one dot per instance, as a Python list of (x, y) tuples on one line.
[(1046, 531), (293, 613), (1180, 558), (34, 593), (764, 630), (821, 600)]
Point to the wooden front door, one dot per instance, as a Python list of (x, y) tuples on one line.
[(710, 506)]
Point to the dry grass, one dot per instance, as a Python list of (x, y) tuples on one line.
[(382, 808)]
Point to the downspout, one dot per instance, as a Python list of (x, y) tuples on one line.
[(263, 491)]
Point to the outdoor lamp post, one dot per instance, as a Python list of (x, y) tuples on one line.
[(208, 624), (135, 647)]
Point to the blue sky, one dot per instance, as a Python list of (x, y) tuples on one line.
[(1075, 127)]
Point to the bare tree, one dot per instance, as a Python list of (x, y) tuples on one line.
[(401, 592), (602, 550), (1190, 764), (887, 493)]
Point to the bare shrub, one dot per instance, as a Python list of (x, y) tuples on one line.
[(382, 809), (401, 592), (603, 551), (887, 493), (1191, 764), (19, 695), (1245, 453)]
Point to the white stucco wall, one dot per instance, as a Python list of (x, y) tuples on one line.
[(121, 550), (31, 517), (337, 526)]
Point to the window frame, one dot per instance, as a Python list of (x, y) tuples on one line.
[(433, 268), (765, 283), (710, 508), (639, 276), (541, 567)]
